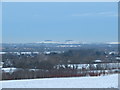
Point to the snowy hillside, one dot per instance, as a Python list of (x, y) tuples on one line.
[(110, 81)]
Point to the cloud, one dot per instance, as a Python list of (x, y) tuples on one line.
[(97, 14)]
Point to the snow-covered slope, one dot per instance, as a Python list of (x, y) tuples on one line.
[(110, 81)]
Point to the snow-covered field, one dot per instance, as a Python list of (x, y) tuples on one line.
[(110, 81)]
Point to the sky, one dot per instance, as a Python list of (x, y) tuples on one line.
[(25, 22)]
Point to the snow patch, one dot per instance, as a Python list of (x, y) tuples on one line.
[(110, 81)]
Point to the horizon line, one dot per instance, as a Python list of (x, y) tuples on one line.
[(60, 42)]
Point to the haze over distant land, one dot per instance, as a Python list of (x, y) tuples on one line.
[(85, 22)]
